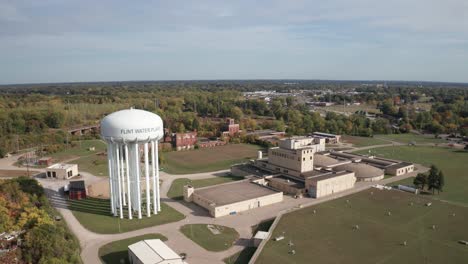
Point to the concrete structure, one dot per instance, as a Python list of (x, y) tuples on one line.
[(231, 198), (132, 136), (389, 166), (294, 155), (208, 143), (183, 141), (363, 171), (78, 131), (330, 138), (259, 237), (152, 251), (329, 183), (62, 171), (399, 168)]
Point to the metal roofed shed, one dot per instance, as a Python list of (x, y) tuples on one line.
[(152, 251)]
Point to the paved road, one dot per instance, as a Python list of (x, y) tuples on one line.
[(91, 242)]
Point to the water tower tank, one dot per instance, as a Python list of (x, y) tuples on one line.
[(132, 136)]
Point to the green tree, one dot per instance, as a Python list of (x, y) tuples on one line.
[(54, 119), (420, 181), (2, 152), (441, 182), (433, 179)]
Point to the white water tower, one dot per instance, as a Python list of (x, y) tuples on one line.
[(132, 137)]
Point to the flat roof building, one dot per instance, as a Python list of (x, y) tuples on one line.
[(231, 198), (62, 171), (152, 251)]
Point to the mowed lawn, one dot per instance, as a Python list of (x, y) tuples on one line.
[(330, 235), (204, 237), (453, 162), (410, 137), (117, 251), (208, 159), (94, 164), (363, 141), (177, 187), (94, 214), (80, 149)]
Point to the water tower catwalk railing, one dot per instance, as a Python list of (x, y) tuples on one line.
[(125, 173)]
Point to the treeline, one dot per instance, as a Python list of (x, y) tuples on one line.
[(24, 207)]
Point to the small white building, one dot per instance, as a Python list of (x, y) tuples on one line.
[(153, 251), (62, 171)]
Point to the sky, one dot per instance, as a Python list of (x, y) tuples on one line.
[(99, 40)]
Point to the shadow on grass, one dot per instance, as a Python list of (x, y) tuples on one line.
[(242, 257), (116, 257)]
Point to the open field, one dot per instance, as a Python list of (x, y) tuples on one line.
[(363, 141), (410, 137), (80, 149), (177, 187), (16, 173), (205, 238), (451, 161), (117, 251), (353, 108), (208, 159), (330, 235), (94, 214), (94, 164)]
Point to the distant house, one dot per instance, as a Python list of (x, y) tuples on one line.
[(183, 141), (231, 128), (45, 161)]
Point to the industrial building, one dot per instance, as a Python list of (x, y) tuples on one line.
[(152, 251), (301, 166), (330, 138), (62, 171), (231, 198)]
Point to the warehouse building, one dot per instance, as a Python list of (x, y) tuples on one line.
[(231, 198), (62, 171), (330, 138), (152, 251)]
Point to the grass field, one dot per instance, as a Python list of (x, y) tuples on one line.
[(330, 235), (353, 108), (410, 137), (94, 215), (117, 251), (204, 237), (454, 164), (80, 149), (177, 187), (208, 159), (363, 141), (94, 164)]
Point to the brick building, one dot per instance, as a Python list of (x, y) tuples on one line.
[(231, 128)]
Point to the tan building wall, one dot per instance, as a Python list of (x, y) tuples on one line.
[(246, 205), (300, 160), (66, 172), (330, 185), (400, 171)]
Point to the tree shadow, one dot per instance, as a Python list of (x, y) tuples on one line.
[(119, 257)]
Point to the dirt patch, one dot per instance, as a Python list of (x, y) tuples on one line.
[(16, 173)]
